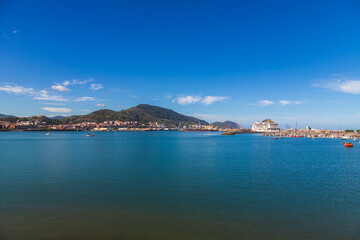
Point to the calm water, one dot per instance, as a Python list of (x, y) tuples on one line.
[(177, 185)]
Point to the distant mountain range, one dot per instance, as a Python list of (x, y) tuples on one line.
[(5, 116), (227, 124), (142, 113)]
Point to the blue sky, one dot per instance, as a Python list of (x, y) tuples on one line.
[(216, 60)]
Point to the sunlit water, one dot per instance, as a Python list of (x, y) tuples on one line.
[(177, 185)]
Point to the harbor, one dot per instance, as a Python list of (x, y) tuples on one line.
[(344, 135)]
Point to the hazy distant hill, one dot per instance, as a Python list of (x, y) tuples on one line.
[(57, 117), (39, 118), (142, 113), (5, 116), (227, 124)]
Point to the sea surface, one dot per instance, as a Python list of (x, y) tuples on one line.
[(177, 185)]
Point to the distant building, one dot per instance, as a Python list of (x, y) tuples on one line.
[(265, 126)]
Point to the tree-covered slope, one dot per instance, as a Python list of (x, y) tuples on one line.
[(142, 113)]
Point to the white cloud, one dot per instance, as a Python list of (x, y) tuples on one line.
[(85, 99), (57, 104), (57, 110), (352, 87), (341, 85), (211, 99), (43, 95), (263, 103), (30, 92), (284, 102), (77, 82), (15, 31), (287, 102), (59, 88), (100, 105), (95, 86), (16, 90), (187, 100)]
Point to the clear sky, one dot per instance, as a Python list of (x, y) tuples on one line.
[(292, 61)]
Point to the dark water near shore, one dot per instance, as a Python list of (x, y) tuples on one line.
[(177, 185)]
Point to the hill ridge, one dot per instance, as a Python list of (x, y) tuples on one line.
[(143, 113)]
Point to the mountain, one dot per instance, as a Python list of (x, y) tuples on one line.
[(142, 113), (33, 118), (5, 116), (226, 124)]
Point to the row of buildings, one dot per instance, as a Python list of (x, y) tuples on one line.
[(34, 124)]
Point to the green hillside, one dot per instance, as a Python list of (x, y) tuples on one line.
[(226, 124), (142, 113)]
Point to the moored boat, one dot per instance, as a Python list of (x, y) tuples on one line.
[(347, 144), (90, 134)]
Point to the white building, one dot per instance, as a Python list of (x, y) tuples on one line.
[(265, 126)]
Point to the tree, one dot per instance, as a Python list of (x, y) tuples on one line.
[(349, 131)]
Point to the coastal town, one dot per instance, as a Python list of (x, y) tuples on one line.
[(266, 127), (38, 123)]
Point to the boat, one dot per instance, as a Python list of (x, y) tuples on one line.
[(355, 139), (275, 138), (90, 134), (348, 144), (48, 134), (314, 138), (344, 138)]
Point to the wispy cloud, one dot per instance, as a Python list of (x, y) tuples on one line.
[(100, 105), (77, 82), (18, 90), (55, 104), (96, 86), (85, 99), (287, 102), (211, 99), (43, 95), (30, 92), (263, 103), (187, 100), (57, 110), (351, 86), (191, 99), (60, 88), (10, 35)]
